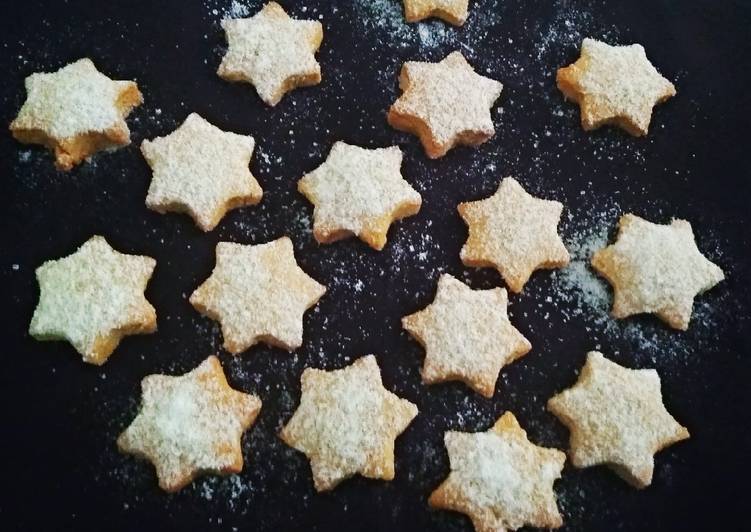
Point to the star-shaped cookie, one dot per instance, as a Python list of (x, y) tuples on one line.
[(500, 479), (347, 423), (616, 417), (445, 104), (452, 11), (614, 85), (93, 298), (513, 232), (467, 335), (258, 294), (202, 171), (76, 112), (360, 192), (657, 269), (190, 425), (272, 51)]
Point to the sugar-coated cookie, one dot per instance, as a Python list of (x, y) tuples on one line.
[(201, 170), (76, 112), (513, 232), (190, 425), (614, 85), (93, 298), (467, 335), (616, 417), (499, 479), (272, 51), (258, 294), (347, 422), (359, 191), (445, 104), (656, 269)]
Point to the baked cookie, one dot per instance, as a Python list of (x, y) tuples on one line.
[(75, 112), (445, 104), (614, 85), (93, 298), (657, 269), (258, 294), (347, 423), (467, 335), (360, 192), (190, 425), (513, 232), (616, 417), (202, 171), (452, 11), (500, 479), (272, 51)]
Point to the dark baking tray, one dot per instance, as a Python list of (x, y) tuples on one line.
[(61, 469)]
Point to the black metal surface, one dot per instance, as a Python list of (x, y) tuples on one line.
[(61, 417)]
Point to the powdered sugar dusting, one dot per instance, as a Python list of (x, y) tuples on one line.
[(356, 189), (538, 139), (189, 424), (346, 422)]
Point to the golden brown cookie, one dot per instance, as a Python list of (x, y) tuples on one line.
[(347, 422), (93, 298), (358, 191), (272, 51), (190, 425), (201, 170), (616, 417), (258, 294), (76, 112), (614, 85), (500, 479), (452, 11), (445, 104), (467, 335), (513, 232), (657, 269)]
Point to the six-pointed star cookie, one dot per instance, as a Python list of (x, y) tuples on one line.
[(347, 423), (272, 51), (76, 112), (445, 104), (514, 232), (614, 85), (657, 269), (500, 479), (258, 294), (201, 170), (467, 335), (358, 191), (93, 298), (452, 11), (190, 425), (616, 417)]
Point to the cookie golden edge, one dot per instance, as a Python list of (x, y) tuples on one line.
[(414, 13), (374, 234)]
